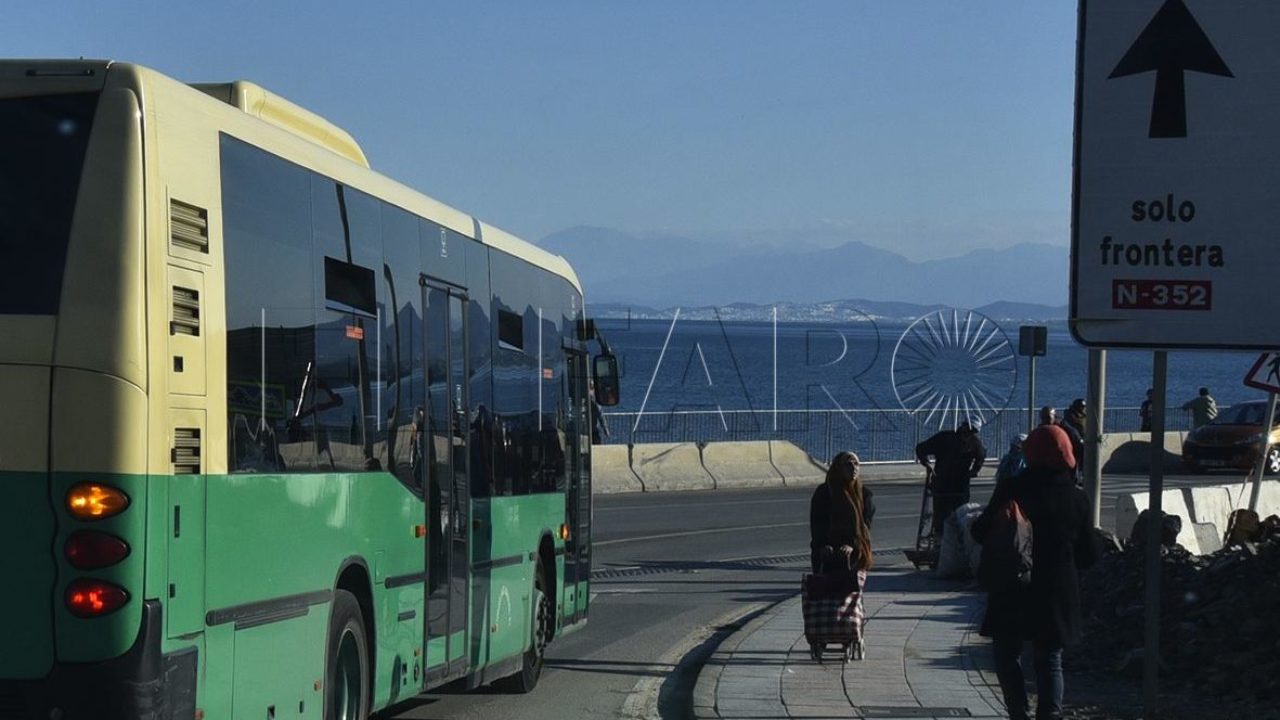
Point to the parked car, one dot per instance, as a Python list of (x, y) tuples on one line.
[(1232, 440)]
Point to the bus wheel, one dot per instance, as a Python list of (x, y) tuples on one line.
[(347, 661), (541, 628)]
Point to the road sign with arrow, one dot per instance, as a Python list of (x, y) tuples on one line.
[(1176, 198), (1172, 45)]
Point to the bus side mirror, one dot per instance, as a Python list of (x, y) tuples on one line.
[(605, 370)]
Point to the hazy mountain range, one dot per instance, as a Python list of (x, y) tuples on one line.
[(839, 311), (664, 271)]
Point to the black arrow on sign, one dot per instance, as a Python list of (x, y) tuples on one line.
[(1172, 45)]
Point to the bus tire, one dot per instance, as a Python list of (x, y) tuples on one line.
[(541, 627), (347, 694)]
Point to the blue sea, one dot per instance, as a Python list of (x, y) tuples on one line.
[(969, 362)]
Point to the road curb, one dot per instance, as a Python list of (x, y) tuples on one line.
[(704, 690)]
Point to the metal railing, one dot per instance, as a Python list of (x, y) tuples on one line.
[(876, 435)]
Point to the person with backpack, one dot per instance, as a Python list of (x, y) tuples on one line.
[(1036, 535)]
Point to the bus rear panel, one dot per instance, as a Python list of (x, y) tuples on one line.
[(73, 618)]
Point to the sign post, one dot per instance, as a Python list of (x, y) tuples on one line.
[(1263, 456), (1033, 342), (1155, 523), (1095, 411), (1264, 375)]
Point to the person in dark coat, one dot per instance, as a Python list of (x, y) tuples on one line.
[(1072, 423), (840, 514), (958, 456), (1047, 612)]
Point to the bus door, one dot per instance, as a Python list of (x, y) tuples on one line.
[(577, 560), (447, 486)]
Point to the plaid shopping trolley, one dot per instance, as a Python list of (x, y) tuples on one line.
[(833, 614)]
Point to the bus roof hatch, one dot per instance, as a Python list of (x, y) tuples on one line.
[(269, 107)]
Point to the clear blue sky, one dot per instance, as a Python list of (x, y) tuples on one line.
[(925, 126)]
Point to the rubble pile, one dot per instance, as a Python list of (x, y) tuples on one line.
[(1219, 615)]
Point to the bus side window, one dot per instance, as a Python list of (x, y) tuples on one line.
[(266, 220), (348, 247), (402, 407), (480, 358)]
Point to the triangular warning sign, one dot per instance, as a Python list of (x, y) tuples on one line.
[(1265, 373)]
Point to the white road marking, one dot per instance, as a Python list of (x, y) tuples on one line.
[(689, 533), (755, 557), (711, 501)]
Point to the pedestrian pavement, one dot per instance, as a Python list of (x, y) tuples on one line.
[(924, 659)]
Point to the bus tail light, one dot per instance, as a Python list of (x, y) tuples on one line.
[(91, 501), (89, 550), (94, 598)]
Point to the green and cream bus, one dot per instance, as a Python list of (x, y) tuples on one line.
[(279, 437)]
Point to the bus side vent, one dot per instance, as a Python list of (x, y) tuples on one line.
[(186, 451), (186, 312), (188, 227)]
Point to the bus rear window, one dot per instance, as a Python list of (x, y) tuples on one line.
[(44, 142)]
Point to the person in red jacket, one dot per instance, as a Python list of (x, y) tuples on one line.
[(1046, 612)]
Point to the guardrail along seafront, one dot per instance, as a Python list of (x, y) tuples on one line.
[(876, 435)]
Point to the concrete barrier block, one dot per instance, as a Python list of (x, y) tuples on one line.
[(1127, 513), (1211, 505), (1210, 509), (1237, 495), (670, 466), (1131, 452), (1129, 505), (1268, 496), (1107, 449), (1205, 511), (611, 470), (1268, 499), (741, 464), (897, 472), (795, 465), (1209, 537)]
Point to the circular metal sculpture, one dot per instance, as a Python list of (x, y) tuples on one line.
[(953, 365)]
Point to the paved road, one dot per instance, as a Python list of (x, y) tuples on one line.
[(678, 567)]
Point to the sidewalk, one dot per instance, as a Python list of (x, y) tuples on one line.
[(924, 660)]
